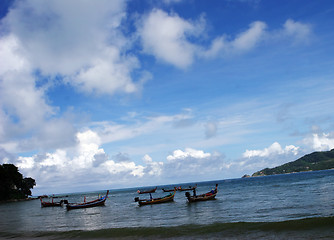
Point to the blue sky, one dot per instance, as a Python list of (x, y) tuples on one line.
[(113, 94)]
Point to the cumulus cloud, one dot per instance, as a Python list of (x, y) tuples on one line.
[(75, 164), (248, 39), (299, 31), (188, 153), (320, 141), (88, 161), (6, 157), (24, 110), (193, 164), (121, 157), (272, 150), (18, 95), (258, 33), (50, 134), (79, 40), (272, 156), (275, 154), (165, 35), (153, 168)]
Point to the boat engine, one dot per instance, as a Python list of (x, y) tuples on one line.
[(136, 199), (187, 194), (63, 201)]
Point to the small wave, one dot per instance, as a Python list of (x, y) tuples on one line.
[(303, 228)]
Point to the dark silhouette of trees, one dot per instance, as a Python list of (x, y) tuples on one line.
[(12, 183)]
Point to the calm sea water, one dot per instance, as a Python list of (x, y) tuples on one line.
[(293, 206)]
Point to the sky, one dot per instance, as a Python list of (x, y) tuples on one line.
[(114, 94)]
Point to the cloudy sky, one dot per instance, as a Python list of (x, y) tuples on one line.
[(112, 94)]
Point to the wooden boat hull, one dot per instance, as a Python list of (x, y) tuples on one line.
[(53, 204), (147, 191), (168, 198), (168, 190), (203, 197), (94, 203), (186, 189), (85, 205), (48, 204)]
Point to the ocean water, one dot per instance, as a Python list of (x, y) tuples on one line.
[(292, 206)]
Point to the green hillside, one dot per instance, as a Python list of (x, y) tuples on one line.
[(310, 162)]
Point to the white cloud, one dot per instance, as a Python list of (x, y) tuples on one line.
[(273, 156), (88, 161), (26, 162), (165, 37), (124, 168), (153, 168), (194, 165), (76, 164), (79, 40), (56, 159), (320, 142), (272, 150), (248, 39), (299, 31), (50, 134), (18, 92), (188, 153), (218, 45), (23, 106), (256, 34), (59, 36), (11, 51), (6, 157), (107, 74)]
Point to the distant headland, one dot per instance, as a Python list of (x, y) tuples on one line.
[(311, 162)]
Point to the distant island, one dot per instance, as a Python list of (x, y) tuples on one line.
[(12, 184), (310, 162)]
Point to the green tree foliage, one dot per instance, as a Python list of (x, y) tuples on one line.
[(311, 162), (12, 183)]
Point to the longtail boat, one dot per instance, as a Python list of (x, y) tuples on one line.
[(147, 191), (203, 197), (52, 203), (187, 189), (168, 198), (169, 190), (97, 202)]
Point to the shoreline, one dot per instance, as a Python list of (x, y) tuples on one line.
[(264, 175), (19, 200), (306, 228)]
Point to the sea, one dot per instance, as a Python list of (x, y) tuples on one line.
[(289, 206)]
